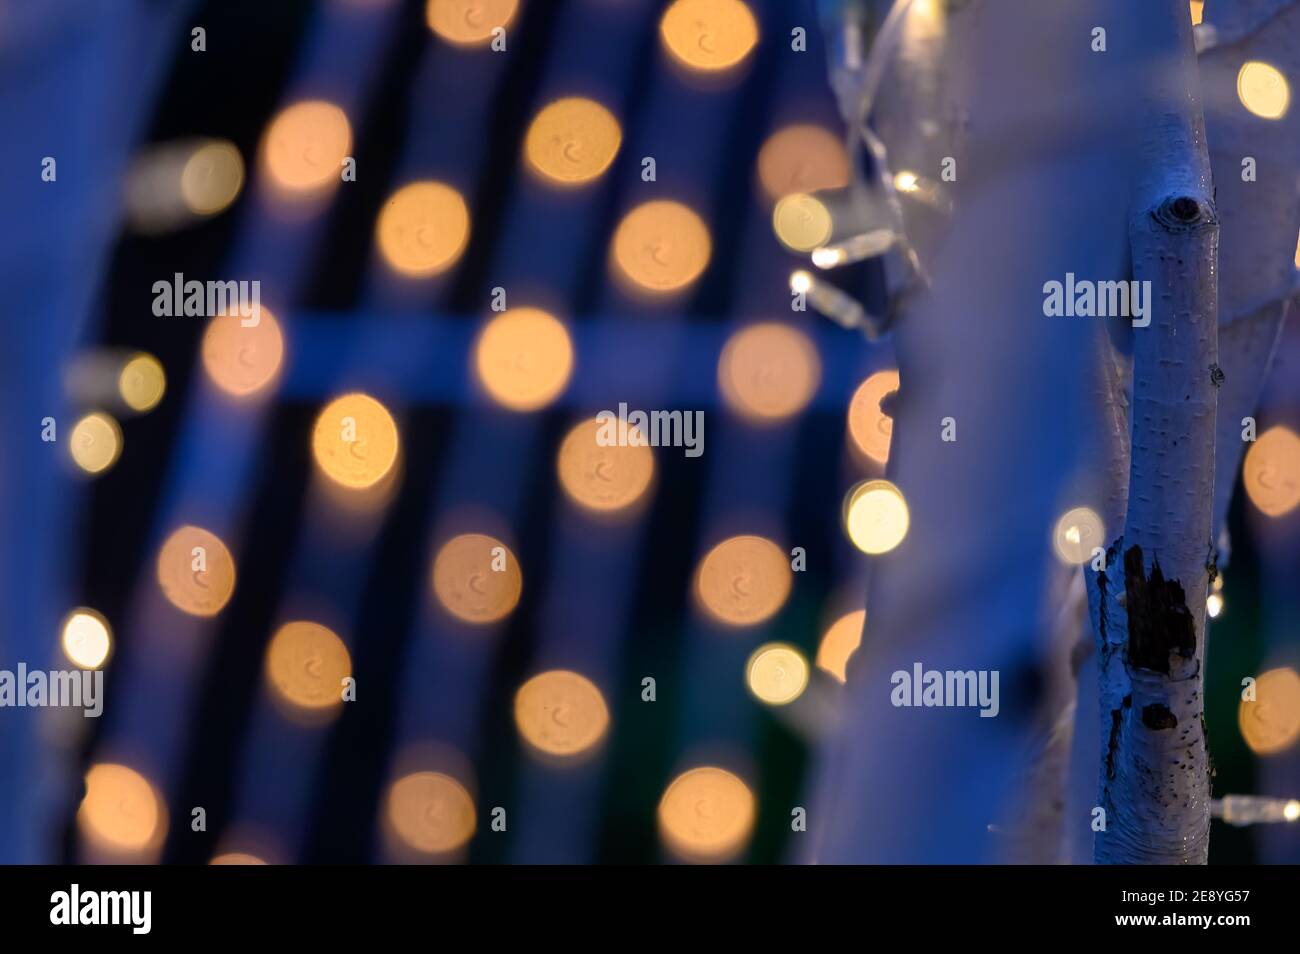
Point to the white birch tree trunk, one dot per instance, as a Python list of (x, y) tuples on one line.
[(1155, 775)]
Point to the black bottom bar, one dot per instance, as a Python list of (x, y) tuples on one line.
[(331, 904)]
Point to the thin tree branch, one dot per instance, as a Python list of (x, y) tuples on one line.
[(1225, 22), (1259, 207)]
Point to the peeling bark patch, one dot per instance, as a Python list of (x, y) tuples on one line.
[(1112, 744), (1112, 552), (1156, 716), (1159, 622)]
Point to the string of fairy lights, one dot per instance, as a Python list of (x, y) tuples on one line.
[(523, 359)]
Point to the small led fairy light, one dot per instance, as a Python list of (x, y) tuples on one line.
[(906, 181), (1242, 810), (915, 188), (856, 248), (840, 308)]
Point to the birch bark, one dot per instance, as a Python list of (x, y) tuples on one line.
[(1155, 776)]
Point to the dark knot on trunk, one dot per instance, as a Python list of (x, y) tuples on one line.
[(1184, 213)]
